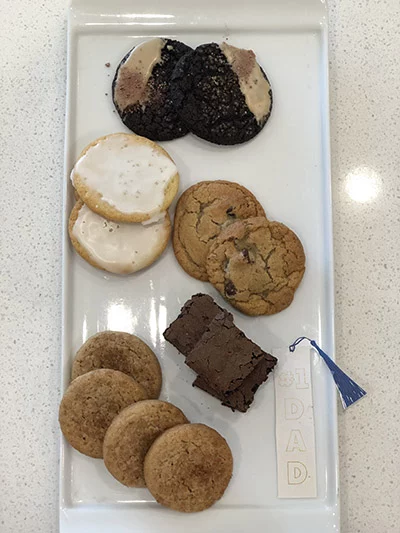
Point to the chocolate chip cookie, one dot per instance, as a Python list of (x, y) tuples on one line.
[(221, 93), (257, 265), (188, 468), (131, 434), (202, 212), (120, 351)]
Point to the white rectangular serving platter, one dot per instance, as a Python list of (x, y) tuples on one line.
[(287, 166)]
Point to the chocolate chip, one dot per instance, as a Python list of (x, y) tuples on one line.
[(230, 212), (230, 289), (246, 255)]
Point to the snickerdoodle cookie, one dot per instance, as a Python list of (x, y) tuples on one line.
[(120, 351), (131, 434), (188, 467), (90, 404)]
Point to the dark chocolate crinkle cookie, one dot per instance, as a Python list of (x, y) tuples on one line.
[(221, 93), (141, 89)]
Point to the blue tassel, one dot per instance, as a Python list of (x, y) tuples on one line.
[(349, 391)]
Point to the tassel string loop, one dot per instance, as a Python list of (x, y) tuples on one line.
[(348, 389)]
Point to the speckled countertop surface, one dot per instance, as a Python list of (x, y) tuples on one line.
[(365, 126)]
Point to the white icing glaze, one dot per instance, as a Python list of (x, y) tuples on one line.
[(133, 75), (252, 82), (129, 175), (117, 247)]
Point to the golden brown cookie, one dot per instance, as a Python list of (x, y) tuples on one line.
[(117, 247), (131, 434), (125, 178), (202, 212), (90, 404), (257, 265), (188, 468), (120, 351)]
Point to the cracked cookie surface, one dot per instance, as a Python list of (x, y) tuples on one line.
[(203, 211), (257, 265), (188, 468)]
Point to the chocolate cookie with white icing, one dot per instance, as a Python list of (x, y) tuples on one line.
[(221, 93), (141, 89)]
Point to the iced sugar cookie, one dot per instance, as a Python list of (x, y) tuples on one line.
[(125, 178), (117, 247)]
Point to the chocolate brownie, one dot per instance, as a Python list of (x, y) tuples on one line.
[(197, 313), (241, 398), (224, 357)]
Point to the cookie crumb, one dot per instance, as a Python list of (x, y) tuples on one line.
[(108, 65)]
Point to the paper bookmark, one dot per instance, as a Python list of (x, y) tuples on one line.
[(295, 431)]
